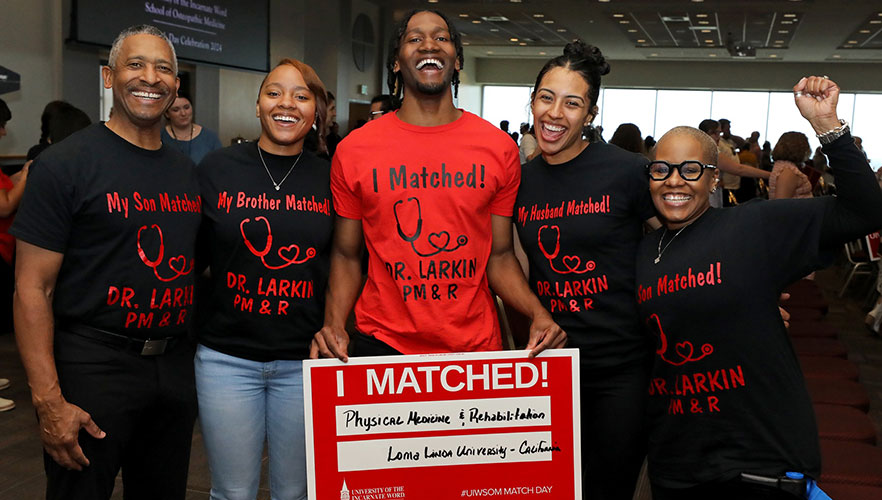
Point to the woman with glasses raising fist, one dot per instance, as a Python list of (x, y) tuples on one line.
[(729, 414)]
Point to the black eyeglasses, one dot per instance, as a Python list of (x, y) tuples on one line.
[(689, 170)]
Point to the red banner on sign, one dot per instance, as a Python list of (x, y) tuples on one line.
[(469, 425)]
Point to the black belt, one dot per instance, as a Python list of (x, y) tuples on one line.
[(144, 347)]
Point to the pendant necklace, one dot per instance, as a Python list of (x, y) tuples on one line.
[(665, 233), (277, 185)]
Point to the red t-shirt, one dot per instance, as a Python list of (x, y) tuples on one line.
[(425, 196), (7, 241)]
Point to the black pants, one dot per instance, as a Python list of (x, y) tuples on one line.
[(728, 490), (7, 286), (614, 438), (147, 407), (364, 345)]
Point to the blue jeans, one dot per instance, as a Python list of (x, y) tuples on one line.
[(241, 404)]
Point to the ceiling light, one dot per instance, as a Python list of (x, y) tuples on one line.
[(433, 1), (773, 56), (618, 15), (523, 43), (653, 54), (561, 30), (542, 53), (494, 30), (852, 41), (476, 21), (512, 39), (697, 1), (624, 21), (603, 1), (463, 15), (640, 40), (515, 1), (538, 15), (864, 31), (489, 52), (789, 15), (548, 21), (708, 41), (632, 31), (703, 22), (779, 41), (783, 32), (466, 43), (712, 55), (875, 21), (705, 31), (700, 15), (787, 22), (836, 56)]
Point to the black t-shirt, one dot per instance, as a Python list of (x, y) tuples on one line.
[(580, 223), (126, 220), (727, 394), (268, 251)]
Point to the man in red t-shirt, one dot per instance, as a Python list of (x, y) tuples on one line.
[(429, 190)]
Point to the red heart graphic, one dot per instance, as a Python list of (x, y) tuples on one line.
[(572, 262), (286, 250), (685, 349), (178, 268), (436, 238)]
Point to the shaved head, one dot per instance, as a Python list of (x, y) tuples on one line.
[(708, 146)]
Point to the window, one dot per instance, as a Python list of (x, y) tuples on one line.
[(635, 106), (507, 103), (680, 107)]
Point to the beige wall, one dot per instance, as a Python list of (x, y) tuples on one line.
[(26, 49)]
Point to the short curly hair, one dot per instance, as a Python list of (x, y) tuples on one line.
[(793, 147)]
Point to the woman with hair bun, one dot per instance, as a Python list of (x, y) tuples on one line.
[(580, 214)]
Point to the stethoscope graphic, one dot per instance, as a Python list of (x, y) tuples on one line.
[(571, 262), (310, 252), (683, 349), (440, 241), (154, 264)]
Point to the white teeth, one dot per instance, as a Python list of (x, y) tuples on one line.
[(284, 118), (146, 95), (677, 197), (553, 128), (424, 62)]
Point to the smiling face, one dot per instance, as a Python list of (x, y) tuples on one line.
[(681, 202), (180, 114), (286, 109), (561, 110), (427, 57), (143, 81)]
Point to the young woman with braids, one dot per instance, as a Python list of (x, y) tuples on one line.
[(580, 213)]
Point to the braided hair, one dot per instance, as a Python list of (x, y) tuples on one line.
[(394, 79), (587, 60)]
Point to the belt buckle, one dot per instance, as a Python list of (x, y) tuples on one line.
[(154, 347)]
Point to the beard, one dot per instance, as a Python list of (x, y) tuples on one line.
[(432, 88)]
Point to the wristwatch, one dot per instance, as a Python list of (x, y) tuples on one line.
[(831, 135)]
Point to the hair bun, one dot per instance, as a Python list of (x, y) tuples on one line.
[(579, 50)]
